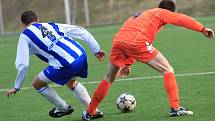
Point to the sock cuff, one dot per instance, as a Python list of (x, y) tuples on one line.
[(98, 96), (42, 89), (75, 85), (169, 75), (105, 83)]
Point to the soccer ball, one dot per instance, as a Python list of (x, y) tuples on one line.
[(126, 103)]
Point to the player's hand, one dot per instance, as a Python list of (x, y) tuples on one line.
[(10, 92), (101, 55), (208, 32), (124, 71)]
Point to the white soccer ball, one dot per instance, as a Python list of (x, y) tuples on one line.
[(126, 103)]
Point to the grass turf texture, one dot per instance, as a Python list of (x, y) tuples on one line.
[(187, 51)]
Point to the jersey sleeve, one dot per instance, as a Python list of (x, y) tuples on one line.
[(22, 60), (82, 34), (181, 20)]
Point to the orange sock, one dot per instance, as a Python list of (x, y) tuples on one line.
[(171, 87), (98, 96)]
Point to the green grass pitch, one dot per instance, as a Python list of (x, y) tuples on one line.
[(187, 51)]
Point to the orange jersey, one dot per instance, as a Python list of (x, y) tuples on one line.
[(144, 26), (134, 39)]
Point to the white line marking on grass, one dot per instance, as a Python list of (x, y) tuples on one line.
[(127, 79)]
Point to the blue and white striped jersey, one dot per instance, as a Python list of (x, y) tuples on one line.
[(52, 43), (55, 46)]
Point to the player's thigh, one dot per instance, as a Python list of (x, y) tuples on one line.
[(66, 74), (59, 76), (160, 63)]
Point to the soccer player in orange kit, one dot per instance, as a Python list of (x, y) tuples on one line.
[(134, 42)]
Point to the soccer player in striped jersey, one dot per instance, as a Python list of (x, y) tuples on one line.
[(134, 41), (66, 58)]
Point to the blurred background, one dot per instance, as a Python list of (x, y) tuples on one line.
[(89, 12)]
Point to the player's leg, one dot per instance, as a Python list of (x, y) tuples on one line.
[(103, 88), (111, 73), (160, 63), (100, 92), (156, 60), (117, 60), (81, 93), (40, 83)]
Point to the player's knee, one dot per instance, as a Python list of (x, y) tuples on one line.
[(112, 72), (38, 84), (35, 85), (71, 84)]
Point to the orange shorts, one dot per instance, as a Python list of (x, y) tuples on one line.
[(125, 53)]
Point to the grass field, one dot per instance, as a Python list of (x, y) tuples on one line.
[(190, 53)]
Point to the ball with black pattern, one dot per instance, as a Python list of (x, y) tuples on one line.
[(126, 103)]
